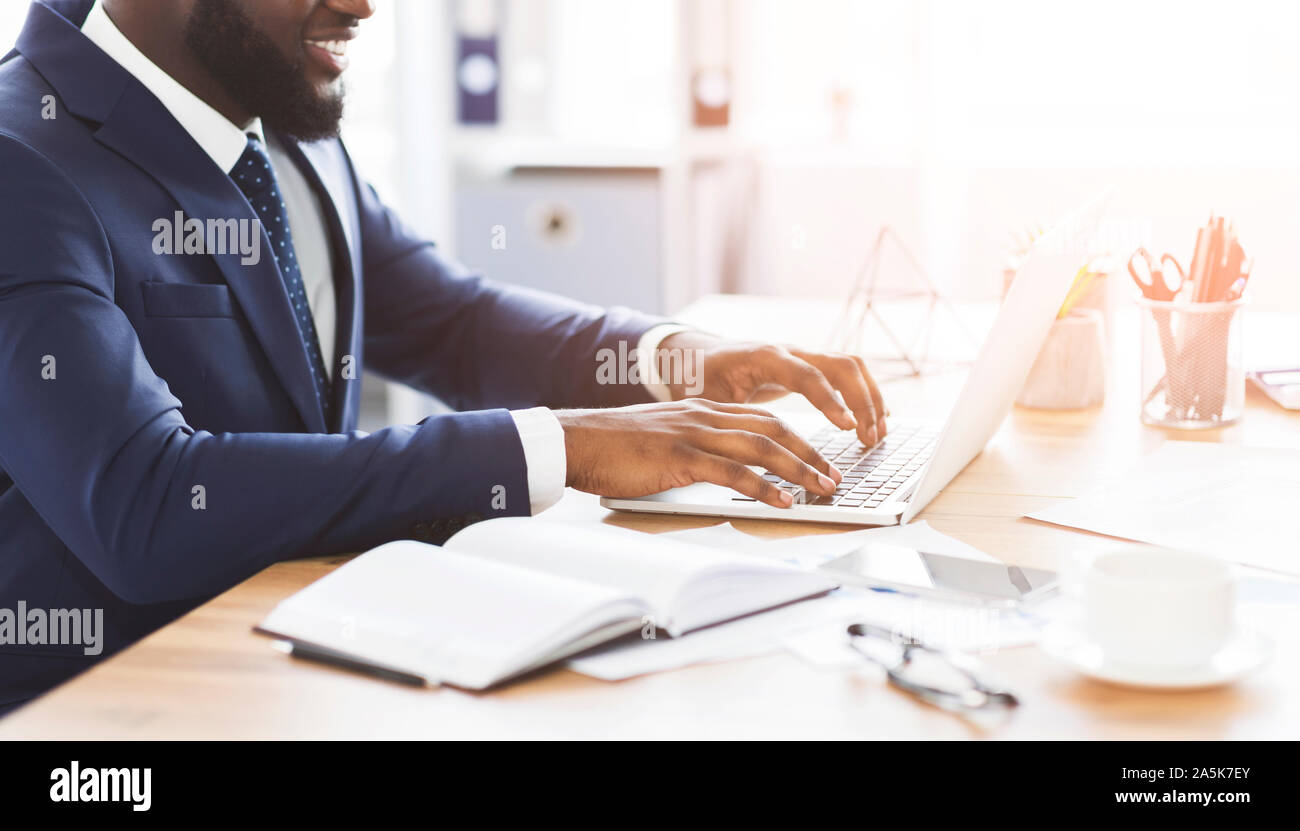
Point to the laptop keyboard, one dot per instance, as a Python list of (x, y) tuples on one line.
[(871, 475)]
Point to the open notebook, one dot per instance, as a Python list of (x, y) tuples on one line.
[(510, 595)]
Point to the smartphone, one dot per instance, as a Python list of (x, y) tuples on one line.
[(907, 570), (1281, 385)]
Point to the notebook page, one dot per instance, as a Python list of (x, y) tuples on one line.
[(634, 563), (450, 617)]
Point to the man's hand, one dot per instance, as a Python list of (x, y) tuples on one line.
[(752, 372), (634, 451)]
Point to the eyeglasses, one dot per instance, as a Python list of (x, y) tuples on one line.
[(947, 680)]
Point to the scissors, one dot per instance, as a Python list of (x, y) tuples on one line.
[(1149, 275), (1150, 278)]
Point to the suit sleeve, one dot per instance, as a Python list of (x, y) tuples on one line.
[(157, 510), (434, 325)]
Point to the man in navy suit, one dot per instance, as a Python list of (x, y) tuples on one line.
[(192, 275)]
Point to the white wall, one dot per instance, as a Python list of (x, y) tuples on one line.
[(835, 209), (965, 121)]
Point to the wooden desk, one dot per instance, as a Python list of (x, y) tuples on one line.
[(208, 676)]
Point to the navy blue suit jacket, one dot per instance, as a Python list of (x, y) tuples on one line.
[(128, 379)]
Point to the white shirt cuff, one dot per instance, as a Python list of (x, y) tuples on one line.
[(645, 357), (543, 439)]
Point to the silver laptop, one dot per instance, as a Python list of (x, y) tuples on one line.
[(890, 483)]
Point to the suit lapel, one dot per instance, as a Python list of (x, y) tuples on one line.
[(141, 129)]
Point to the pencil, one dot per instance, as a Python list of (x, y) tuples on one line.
[(1082, 282)]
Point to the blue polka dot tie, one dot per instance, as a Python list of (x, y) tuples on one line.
[(254, 176)]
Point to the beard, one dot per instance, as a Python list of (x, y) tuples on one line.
[(253, 71)]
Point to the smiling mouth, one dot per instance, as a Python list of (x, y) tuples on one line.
[(330, 54)]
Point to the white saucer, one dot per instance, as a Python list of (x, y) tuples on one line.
[(1246, 651)]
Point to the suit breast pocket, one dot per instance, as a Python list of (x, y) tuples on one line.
[(187, 300)]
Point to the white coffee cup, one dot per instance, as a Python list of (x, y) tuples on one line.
[(1159, 608)]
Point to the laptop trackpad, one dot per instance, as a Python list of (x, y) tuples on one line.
[(701, 493)]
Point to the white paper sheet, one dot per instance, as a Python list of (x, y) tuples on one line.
[(814, 549), (754, 635), (976, 629), (1239, 503), (723, 535), (959, 627)]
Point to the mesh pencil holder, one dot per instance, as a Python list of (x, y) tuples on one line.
[(1192, 372)]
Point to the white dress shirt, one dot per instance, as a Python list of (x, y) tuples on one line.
[(540, 432)]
